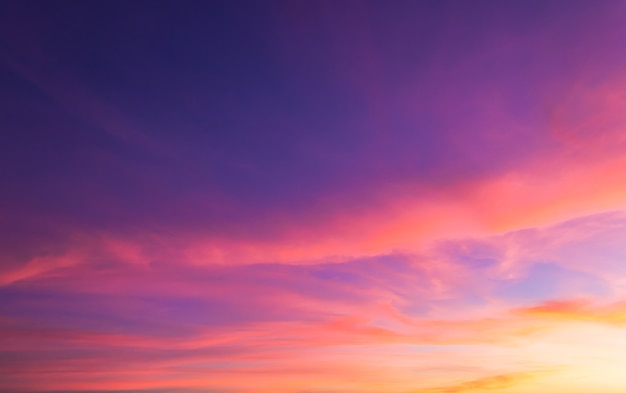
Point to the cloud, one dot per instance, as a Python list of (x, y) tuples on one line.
[(582, 310), (496, 382)]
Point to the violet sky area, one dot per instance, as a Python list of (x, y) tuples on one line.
[(313, 196)]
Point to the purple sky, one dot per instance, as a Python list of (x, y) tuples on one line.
[(312, 196)]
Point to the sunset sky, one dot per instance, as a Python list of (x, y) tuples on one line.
[(316, 196)]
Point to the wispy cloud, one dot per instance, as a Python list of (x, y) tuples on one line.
[(496, 382)]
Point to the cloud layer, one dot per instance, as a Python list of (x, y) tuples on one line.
[(312, 197)]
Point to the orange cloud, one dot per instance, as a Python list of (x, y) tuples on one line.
[(496, 382), (578, 310)]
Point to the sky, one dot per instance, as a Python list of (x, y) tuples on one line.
[(423, 196)]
